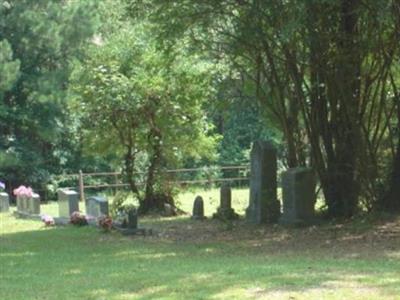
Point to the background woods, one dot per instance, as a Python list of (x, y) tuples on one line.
[(154, 85)]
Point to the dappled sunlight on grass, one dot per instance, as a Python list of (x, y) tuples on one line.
[(136, 255), (11, 254), (188, 259)]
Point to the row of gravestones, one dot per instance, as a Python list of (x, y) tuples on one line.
[(224, 211), (68, 202), (298, 192), (28, 205)]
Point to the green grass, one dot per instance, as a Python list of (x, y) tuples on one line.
[(186, 259)]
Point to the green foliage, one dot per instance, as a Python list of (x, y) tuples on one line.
[(324, 73), (142, 104), (9, 68), (118, 204), (38, 42)]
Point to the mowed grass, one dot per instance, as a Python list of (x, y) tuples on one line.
[(188, 259)]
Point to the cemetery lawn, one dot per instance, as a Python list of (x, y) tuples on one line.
[(209, 259)]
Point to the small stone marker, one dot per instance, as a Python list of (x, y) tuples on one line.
[(298, 195), (97, 206), (4, 202), (130, 227), (264, 206), (225, 211), (198, 208), (68, 202)]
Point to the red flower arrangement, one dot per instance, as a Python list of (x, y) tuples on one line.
[(78, 219), (105, 222)]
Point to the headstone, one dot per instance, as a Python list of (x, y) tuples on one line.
[(68, 202), (225, 211), (22, 204), (132, 219), (264, 206), (4, 202), (169, 210), (198, 208), (19, 203), (33, 204), (96, 206), (298, 193)]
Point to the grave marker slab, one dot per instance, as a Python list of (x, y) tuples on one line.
[(298, 193), (198, 208), (132, 219), (33, 204), (22, 204), (96, 206), (264, 206), (68, 202), (4, 202), (225, 211)]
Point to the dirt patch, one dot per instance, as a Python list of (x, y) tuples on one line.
[(353, 238)]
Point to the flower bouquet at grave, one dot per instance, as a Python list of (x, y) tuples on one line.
[(47, 220), (78, 219), (105, 222), (23, 191)]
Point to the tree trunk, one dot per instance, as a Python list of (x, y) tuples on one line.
[(391, 201), (129, 170), (154, 199), (334, 120)]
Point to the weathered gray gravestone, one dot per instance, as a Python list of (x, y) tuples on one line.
[(4, 202), (68, 202), (96, 206), (264, 206), (22, 203), (225, 210), (28, 205), (33, 204), (298, 193), (198, 208)]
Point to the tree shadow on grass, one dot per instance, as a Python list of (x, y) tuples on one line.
[(82, 263)]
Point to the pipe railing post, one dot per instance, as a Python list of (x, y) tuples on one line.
[(81, 187)]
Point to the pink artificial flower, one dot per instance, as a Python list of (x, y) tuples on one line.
[(89, 218), (48, 220), (23, 191)]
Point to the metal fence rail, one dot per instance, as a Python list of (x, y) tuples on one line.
[(245, 168)]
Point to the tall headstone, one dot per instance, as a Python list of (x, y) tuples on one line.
[(33, 204), (264, 206), (68, 202), (96, 206), (198, 208), (298, 193), (4, 202), (225, 210), (132, 219), (23, 204)]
